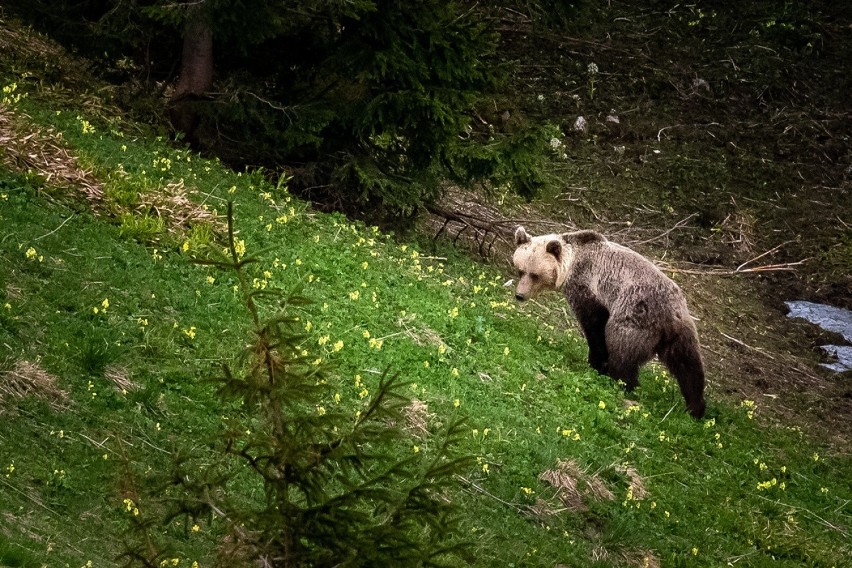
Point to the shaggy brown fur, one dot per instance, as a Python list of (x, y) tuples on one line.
[(628, 309)]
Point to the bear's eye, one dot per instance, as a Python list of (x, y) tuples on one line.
[(521, 273), (534, 277)]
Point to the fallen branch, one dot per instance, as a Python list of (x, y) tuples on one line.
[(787, 266), (807, 512), (738, 342), (770, 251), (479, 489)]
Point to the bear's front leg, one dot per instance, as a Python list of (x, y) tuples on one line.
[(593, 318), (626, 373)]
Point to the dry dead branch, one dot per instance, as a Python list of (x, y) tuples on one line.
[(479, 489), (774, 249), (679, 225), (781, 267), (465, 218), (543, 509)]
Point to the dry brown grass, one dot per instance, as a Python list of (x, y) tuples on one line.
[(27, 379), (542, 509), (172, 204), (417, 418), (573, 485), (644, 559), (120, 377), (420, 335), (637, 485), (30, 149)]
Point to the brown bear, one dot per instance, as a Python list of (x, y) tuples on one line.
[(628, 309)]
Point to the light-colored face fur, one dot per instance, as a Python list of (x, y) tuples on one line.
[(542, 263)]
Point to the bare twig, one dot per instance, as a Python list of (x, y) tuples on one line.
[(770, 251), (786, 267), (676, 226), (56, 229), (807, 512), (738, 342), (28, 496), (660, 132), (479, 489)]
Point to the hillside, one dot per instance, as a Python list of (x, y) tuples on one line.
[(109, 334)]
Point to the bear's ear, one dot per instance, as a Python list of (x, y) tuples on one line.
[(521, 236), (555, 248)]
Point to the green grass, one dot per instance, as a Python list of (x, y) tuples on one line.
[(721, 490)]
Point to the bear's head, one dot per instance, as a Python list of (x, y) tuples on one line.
[(542, 263)]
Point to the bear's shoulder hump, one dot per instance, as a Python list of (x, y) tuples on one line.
[(584, 237)]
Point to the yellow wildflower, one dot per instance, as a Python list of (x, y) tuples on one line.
[(240, 248)]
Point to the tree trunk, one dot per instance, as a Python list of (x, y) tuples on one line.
[(196, 77)]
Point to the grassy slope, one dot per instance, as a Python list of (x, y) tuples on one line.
[(529, 396)]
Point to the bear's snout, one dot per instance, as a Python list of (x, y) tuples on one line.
[(520, 297)]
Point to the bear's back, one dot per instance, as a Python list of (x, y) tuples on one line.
[(620, 277)]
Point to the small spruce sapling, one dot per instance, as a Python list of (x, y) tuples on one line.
[(339, 488)]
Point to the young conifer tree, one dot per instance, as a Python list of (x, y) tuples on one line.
[(336, 488)]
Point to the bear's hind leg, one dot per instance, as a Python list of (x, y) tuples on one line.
[(629, 348)]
